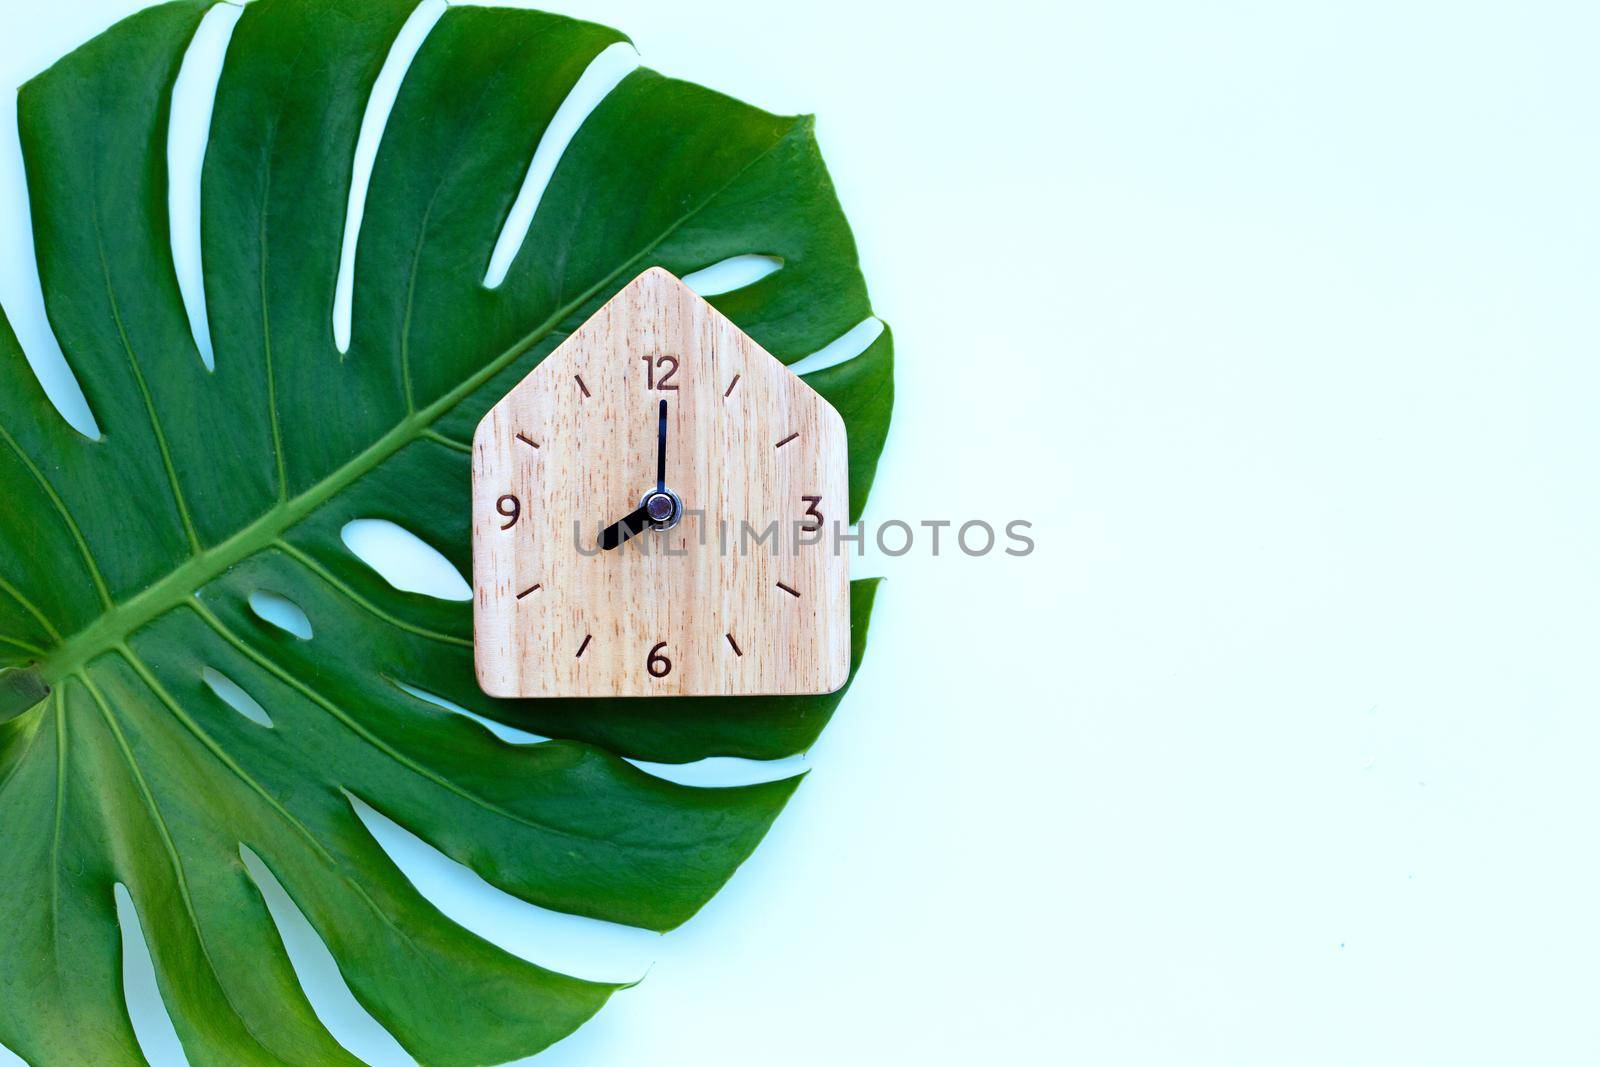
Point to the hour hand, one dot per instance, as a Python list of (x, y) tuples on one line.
[(625, 527)]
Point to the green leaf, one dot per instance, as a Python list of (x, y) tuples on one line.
[(127, 563), (20, 689)]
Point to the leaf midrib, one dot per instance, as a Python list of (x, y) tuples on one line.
[(111, 629)]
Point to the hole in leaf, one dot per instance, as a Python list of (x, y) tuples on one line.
[(194, 97), (152, 1026), (571, 944), (335, 1006), (509, 734), (723, 771), (731, 274), (21, 293), (846, 347), (281, 612), (714, 772), (603, 73), (379, 106), (405, 560), (233, 695)]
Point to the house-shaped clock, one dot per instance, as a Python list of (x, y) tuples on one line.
[(655, 510)]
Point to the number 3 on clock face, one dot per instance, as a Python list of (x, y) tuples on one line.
[(655, 510)]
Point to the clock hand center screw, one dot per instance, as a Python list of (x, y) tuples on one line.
[(663, 508)]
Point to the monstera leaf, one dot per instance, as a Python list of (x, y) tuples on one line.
[(127, 563)]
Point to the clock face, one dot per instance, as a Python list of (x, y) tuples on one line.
[(655, 510)]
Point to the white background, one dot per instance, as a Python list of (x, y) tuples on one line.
[(1278, 321)]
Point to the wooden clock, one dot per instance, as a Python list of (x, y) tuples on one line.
[(654, 511)]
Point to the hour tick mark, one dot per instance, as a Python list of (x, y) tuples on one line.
[(586, 639), (737, 651), (786, 440), (786, 589), (531, 589), (525, 439), (579, 380), (730, 387)]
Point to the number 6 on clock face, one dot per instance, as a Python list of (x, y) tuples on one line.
[(655, 513)]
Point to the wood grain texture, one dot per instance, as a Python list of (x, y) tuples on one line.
[(751, 447)]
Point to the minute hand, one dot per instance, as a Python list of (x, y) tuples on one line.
[(661, 450), (635, 521)]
